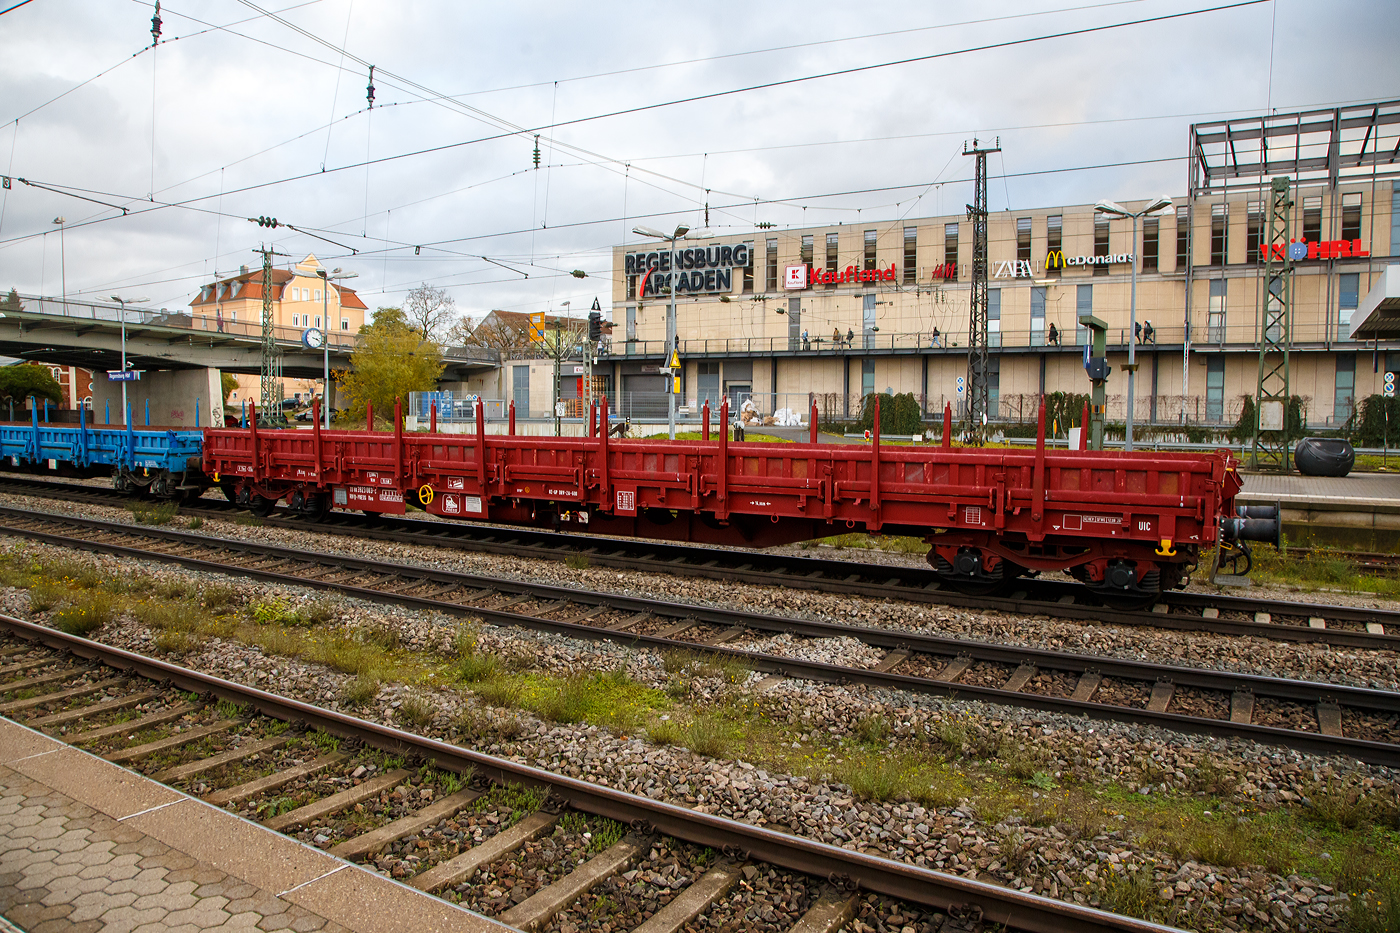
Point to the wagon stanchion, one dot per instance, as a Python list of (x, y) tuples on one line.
[(705, 418), (512, 416), (432, 418), (812, 420), (947, 424)]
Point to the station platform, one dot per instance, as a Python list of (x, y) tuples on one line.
[(88, 846), (1360, 512)]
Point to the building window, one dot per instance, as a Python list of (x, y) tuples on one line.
[(950, 246), (1083, 304), (911, 255), (1312, 218), (771, 279), (1215, 388), (1151, 229), (994, 387), (807, 249), (1344, 398), (1348, 296), (1054, 238), (869, 249), (993, 317), (345, 323), (1183, 236), (1254, 230), (832, 239), (1215, 320), (1037, 316), (1351, 216), (867, 377), (631, 287), (233, 317), (1395, 218), (1219, 227), (520, 390), (748, 270), (1100, 242), (316, 296), (1023, 239), (318, 320)]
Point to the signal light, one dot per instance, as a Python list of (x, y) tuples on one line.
[(595, 326)]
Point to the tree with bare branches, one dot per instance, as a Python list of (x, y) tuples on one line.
[(432, 312)]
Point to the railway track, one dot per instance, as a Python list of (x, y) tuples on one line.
[(366, 789), (1310, 716), (1342, 626)]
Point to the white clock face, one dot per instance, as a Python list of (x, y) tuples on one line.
[(313, 338)]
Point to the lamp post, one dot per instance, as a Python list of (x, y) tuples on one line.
[(1116, 210), (335, 275), (681, 231), (62, 263), (122, 301)]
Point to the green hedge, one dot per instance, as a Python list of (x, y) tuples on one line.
[(899, 414)]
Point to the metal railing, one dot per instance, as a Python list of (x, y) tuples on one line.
[(338, 340), (917, 341)]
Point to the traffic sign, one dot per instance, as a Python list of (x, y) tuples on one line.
[(1390, 385), (675, 360), (537, 327), (962, 384)]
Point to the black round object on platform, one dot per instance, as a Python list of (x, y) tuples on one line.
[(1324, 456)]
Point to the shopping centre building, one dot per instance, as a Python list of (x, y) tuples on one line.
[(838, 312)]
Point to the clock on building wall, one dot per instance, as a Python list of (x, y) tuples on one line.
[(314, 338)]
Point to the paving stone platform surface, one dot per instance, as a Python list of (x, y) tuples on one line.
[(88, 847)]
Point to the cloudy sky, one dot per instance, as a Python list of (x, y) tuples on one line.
[(259, 108)]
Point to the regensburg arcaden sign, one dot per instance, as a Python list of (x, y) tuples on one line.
[(698, 269)]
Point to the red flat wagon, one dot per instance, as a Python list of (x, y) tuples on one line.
[(1126, 524)]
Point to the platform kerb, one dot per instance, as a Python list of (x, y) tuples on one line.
[(85, 844)]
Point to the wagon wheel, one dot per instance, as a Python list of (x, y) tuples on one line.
[(261, 506), (1235, 560)]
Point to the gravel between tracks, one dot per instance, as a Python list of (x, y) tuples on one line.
[(1321, 662), (1053, 859)]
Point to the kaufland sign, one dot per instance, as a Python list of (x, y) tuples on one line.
[(804, 276)]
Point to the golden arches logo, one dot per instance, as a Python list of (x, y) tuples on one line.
[(1055, 259)]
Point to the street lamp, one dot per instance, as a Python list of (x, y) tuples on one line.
[(335, 275), (62, 263), (1116, 210), (122, 301), (681, 231)]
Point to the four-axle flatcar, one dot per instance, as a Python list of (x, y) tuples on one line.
[(1125, 524)]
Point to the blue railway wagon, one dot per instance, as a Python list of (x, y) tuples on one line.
[(163, 462)]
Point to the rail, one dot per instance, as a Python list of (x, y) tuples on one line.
[(960, 897)]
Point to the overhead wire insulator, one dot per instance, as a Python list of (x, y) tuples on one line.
[(155, 26), (537, 150), (369, 90)]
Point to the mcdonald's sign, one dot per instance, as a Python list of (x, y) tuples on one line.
[(1055, 259)]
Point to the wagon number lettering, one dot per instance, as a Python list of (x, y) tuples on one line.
[(1144, 526)]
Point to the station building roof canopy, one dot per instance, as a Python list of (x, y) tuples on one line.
[(1378, 316)]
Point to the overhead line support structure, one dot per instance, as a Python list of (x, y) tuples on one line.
[(1271, 400), (977, 363), (269, 394)]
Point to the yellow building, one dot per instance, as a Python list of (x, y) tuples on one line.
[(300, 300)]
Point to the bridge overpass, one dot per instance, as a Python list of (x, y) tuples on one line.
[(89, 334)]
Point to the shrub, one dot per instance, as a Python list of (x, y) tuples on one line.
[(360, 690), (154, 513), (416, 710), (84, 615)]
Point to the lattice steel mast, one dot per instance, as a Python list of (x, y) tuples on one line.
[(1275, 333), (977, 386), (270, 389)]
